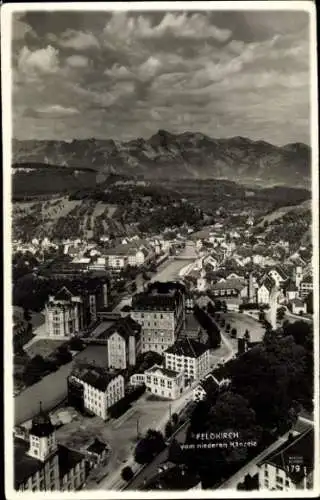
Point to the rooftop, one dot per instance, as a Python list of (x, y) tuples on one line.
[(162, 371), (68, 459), (125, 327), (94, 376), (97, 447), (25, 466), (228, 284), (301, 446), (188, 347)]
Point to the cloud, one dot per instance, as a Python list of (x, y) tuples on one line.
[(219, 74), (56, 110), (78, 40), (20, 29), (38, 61), (77, 61)]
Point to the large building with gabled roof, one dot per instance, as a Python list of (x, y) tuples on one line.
[(94, 389), (190, 357)]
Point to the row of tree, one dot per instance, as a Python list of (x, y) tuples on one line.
[(207, 323)]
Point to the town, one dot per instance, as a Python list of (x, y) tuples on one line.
[(160, 270), (135, 339)]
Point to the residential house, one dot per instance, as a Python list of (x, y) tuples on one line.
[(95, 389), (190, 357), (264, 290), (232, 291), (123, 340), (306, 286), (97, 453), (290, 290), (289, 467), (209, 387), (40, 464), (297, 306), (160, 310)]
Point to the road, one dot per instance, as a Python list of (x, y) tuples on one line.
[(113, 480)]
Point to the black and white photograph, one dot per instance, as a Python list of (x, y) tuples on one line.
[(160, 167)]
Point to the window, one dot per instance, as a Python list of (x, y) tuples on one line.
[(266, 473), (155, 380), (279, 479), (162, 383), (169, 384), (266, 482)]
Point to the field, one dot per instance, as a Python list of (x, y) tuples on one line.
[(280, 212), (242, 322), (43, 347)]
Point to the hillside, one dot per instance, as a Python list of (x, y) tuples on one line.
[(183, 156), (122, 206)]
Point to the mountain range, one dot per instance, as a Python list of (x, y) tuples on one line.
[(172, 156)]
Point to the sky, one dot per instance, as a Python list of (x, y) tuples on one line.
[(125, 75)]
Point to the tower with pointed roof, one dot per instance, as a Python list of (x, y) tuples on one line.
[(42, 437)]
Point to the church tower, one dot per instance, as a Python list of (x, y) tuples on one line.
[(42, 438)]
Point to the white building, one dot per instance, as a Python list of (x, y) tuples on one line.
[(41, 464), (101, 389), (190, 357), (209, 386), (298, 307), (64, 314), (306, 286), (264, 290), (160, 310), (164, 382), (123, 341)]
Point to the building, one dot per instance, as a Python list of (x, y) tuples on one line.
[(264, 290), (278, 275), (164, 382), (290, 290), (298, 275), (123, 340), (94, 389), (74, 306), (190, 357), (306, 286), (64, 314), (97, 453), (202, 283), (297, 306), (40, 464), (226, 288), (160, 311), (290, 466), (209, 387)]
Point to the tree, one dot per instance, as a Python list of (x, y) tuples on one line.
[(247, 336), (233, 332), (127, 473), (175, 418), (168, 429), (76, 344), (26, 315), (228, 327), (152, 444), (175, 452), (63, 355)]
